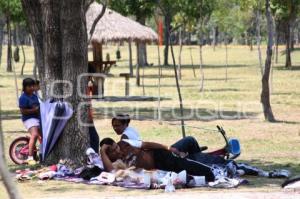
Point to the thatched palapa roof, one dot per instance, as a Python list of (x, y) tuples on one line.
[(114, 27)]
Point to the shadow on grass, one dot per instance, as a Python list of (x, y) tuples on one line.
[(285, 93), (196, 86), (258, 182), (13, 168), (293, 68), (10, 114), (287, 122), (173, 114), (196, 66)]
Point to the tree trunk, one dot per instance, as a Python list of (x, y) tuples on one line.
[(298, 32), (167, 22), (292, 36), (52, 46), (265, 93), (159, 85), (216, 34), (276, 42), (2, 24), (201, 69), (64, 54), (288, 61), (9, 51), (130, 59), (11, 188), (179, 93), (192, 62), (24, 60), (32, 10), (258, 40), (179, 56), (74, 62), (226, 59), (201, 61)]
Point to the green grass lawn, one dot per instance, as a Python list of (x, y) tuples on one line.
[(234, 104)]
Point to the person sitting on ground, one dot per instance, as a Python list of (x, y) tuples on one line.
[(94, 136), (149, 156), (37, 90), (120, 125), (29, 107)]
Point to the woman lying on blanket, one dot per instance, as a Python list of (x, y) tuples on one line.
[(148, 155)]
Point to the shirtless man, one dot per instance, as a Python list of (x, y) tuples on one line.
[(149, 156)]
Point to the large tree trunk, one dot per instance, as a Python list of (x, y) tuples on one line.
[(2, 24), (74, 62), (258, 40), (9, 50), (64, 54), (11, 188), (52, 46), (265, 93), (33, 12), (167, 21), (288, 61)]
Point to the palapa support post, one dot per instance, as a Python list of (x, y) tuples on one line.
[(97, 52), (126, 75), (98, 58)]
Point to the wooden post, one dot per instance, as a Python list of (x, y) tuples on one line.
[(97, 51), (126, 75), (130, 58), (127, 86), (98, 58)]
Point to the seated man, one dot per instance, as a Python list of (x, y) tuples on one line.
[(149, 156)]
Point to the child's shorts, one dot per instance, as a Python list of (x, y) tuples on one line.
[(31, 123)]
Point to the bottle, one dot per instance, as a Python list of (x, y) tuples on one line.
[(169, 187)]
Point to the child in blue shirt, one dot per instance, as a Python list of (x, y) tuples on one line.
[(29, 107)]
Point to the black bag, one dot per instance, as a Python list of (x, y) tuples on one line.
[(89, 173)]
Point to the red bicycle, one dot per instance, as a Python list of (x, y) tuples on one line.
[(19, 150)]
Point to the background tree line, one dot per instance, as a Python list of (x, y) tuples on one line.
[(219, 21)]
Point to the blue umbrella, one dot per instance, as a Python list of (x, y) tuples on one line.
[(54, 117)]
